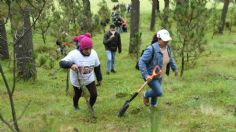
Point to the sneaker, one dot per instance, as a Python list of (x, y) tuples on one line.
[(154, 106), (146, 101), (90, 109), (112, 70), (92, 112)]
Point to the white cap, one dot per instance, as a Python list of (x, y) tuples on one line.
[(164, 35)]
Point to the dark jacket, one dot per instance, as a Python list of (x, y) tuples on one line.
[(113, 43)]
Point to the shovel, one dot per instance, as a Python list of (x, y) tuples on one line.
[(156, 71), (90, 108)]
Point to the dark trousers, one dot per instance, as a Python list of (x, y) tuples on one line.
[(93, 94)]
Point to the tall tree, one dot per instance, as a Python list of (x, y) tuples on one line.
[(73, 14), (166, 11), (23, 43), (191, 34), (223, 17), (4, 54), (165, 15), (179, 3), (104, 14), (45, 20), (153, 16), (87, 24), (87, 10), (134, 27), (158, 6), (167, 4), (24, 48), (13, 125), (10, 92)]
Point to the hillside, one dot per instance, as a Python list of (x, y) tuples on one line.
[(203, 100)]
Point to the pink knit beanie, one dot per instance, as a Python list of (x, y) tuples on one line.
[(86, 42), (78, 38), (88, 35)]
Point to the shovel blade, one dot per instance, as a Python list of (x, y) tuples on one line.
[(124, 108)]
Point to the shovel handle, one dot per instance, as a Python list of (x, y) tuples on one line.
[(154, 73), (145, 83)]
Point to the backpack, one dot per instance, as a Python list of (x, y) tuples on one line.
[(137, 66)]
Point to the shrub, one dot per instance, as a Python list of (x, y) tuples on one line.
[(192, 34), (51, 63), (42, 60)]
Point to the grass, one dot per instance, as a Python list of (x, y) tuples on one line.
[(203, 100)]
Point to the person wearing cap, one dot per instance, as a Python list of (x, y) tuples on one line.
[(162, 58), (83, 63), (112, 42)]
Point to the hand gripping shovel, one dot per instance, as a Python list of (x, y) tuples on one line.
[(156, 71)]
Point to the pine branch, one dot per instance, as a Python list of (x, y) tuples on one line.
[(5, 122), (24, 110)]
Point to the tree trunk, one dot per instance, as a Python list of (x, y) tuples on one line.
[(134, 27), (166, 13), (180, 2), (182, 59), (10, 95), (24, 49), (158, 6), (153, 17), (87, 10), (167, 3), (223, 16), (182, 65), (4, 54), (44, 37)]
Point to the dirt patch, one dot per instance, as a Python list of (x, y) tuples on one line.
[(121, 95), (136, 110), (209, 110)]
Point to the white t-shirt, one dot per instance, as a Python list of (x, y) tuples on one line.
[(86, 66)]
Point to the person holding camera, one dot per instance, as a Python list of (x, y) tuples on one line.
[(112, 42)]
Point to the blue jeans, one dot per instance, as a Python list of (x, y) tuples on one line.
[(119, 29), (110, 60), (155, 91)]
